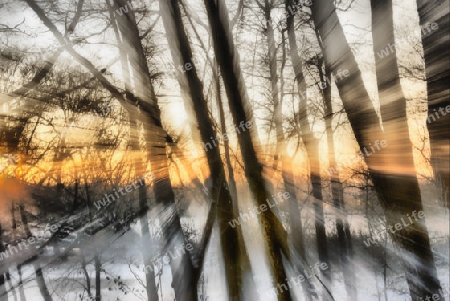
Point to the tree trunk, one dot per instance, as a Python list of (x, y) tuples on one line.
[(231, 181), (3, 290), (436, 47), (337, 194), (232, 242), (312, 149), (182, 268), (13, 291), (76, 202), (234, 87), (20, 284), (98, 269), (281, 150), (399, 194), (86, 274), (152, 290), (41, 283)]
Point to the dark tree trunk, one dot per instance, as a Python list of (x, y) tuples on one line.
[(182, 268), (98, 269), (76, 202), (13, 291), (436, 47), (3, 290), (232, 77), (231, 181), (41, 283), (86, 274), (20, 284), (232, 242), (399, 192)]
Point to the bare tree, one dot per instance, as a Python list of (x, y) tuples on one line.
[(399, 193), (235, 254), (234, 87)]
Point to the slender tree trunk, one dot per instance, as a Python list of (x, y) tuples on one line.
[(246, 266), (41, 283), (152, 291), (337, 194), (232, 242), (436, 47), (86, 275), (122, 50), (13, 291), (234, 87), (399, 192), (231, 180), (312, 149), (20, 284), (98, 269), (75, 203), (281, 150), (3, 290)]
